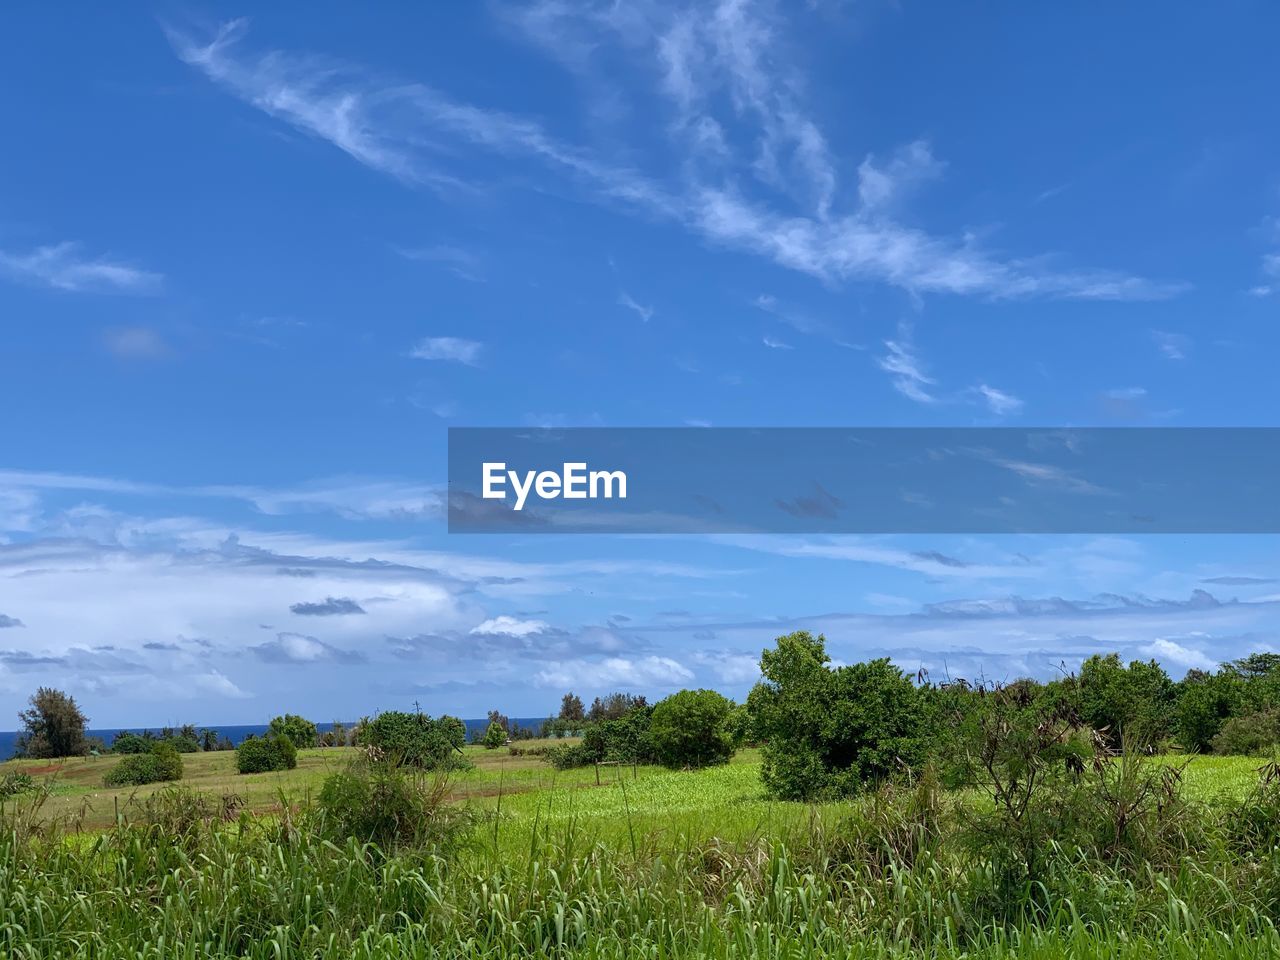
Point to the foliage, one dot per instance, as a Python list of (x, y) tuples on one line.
[(162, 762), (416, 739), (1134, 702), (567, 756), (15, 782), (831, 732), (495, 736), (614, 706), (1205, 702), (1253, 734), (571, 708), (374, 801), (265, 754), (53, 726), (690, 729), (299, 730), (624, 739)]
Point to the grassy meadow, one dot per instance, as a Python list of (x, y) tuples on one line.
[(649, 863)]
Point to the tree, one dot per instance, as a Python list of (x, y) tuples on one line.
[(495, 736), (52, 727), (1135, 701), (571, 708), (614, 706), (690, 729), (831, 732), (1205, 703), (500, 719), (297, 729)]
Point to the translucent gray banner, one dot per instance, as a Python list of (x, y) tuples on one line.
[(864, 480)]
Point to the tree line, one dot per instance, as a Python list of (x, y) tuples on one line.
[(823, 730)]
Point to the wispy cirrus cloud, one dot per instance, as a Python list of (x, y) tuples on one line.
[(626, 300), (455, 349), (462, 263), (63, 267), (742, 138), (905, 369)]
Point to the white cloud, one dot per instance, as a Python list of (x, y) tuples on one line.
[(510, 627), (625, 300), (62, 267), (1172, 346), (448, 348), (905, 369), (998, 402), (879, 186), (1169, 651), (639, 672), (733, 668), (216, 683), (730, 53), (773, 344)]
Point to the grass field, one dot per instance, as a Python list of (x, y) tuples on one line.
[(647, 862), (721, 801)]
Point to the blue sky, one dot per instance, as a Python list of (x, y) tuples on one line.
[(252, 268)]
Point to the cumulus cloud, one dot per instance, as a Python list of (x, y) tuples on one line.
[(299, 648), (1171, 652), (510, 627), (640, 672)]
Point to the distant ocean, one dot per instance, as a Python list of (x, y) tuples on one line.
[(236, 734)]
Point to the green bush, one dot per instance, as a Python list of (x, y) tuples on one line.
[(831, 732), (162, 763), (12, 784), (300, 731), (374, 801), (416, 739), (494, 737), (567, 756), (1251, 735), (129, 742), (264, 754), (624, 739), (690, 729)]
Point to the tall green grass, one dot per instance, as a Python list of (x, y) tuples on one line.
[(597, 873)]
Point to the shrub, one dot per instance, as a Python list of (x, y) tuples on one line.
[(130, 742), (1252, 735), (416, 739), (298, 730), (264, 754), (378, 802), (689, 729), (162, 763), (495, 736), (12, 784), (832, 732), (567, 756), (624, 739)]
